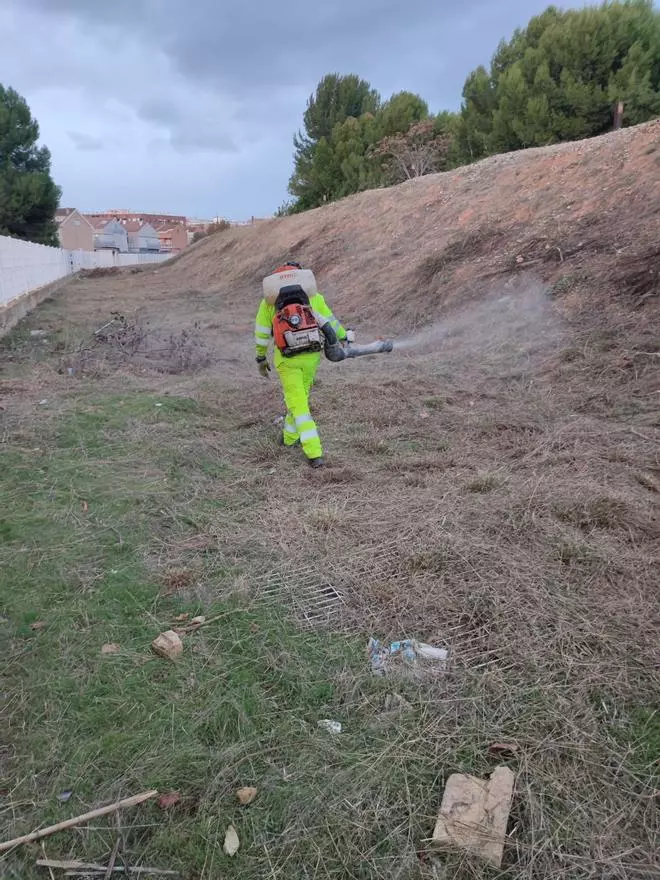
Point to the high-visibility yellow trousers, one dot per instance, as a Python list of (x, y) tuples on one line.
[(297, 377)]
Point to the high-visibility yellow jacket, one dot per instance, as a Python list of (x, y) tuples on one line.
[(263, 325)]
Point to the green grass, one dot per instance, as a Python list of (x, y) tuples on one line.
[(122, 511), (636, 730), (644, 738), (16, 340), (241, 707)]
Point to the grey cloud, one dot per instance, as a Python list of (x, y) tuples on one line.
[(189, 129), (161, 111), (248, 46), (253, 49), (188, 141), (86, 142)]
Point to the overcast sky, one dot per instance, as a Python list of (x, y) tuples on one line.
[(189, 106)]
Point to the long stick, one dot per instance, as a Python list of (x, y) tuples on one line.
[(75, 868), (79, 820), (136, 871)]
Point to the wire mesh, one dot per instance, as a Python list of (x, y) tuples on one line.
[(317, 595)]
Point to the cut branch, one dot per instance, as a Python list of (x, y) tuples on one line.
[(79, 820)]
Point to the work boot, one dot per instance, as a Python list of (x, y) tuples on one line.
[(316, 462), (288, 445)]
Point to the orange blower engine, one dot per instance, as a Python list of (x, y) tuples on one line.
[(295, 329)]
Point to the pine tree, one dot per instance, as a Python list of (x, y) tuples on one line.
[(559, 78), (317, 175), (28, 195), (400, 112), (343, 123), (476, 123), (337, 98)]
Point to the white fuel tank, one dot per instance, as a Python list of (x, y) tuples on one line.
[(272, 284)]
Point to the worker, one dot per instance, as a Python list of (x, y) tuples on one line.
[(297, 318)]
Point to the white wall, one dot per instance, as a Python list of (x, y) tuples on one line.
[(25, 266), (89, 260), (132, 259)]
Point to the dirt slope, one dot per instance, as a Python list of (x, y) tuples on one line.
[(401, 255)]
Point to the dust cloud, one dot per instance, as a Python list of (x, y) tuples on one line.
[(508, 322)]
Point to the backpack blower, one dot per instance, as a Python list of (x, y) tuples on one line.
[(298, 328)]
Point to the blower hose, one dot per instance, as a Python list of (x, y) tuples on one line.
[(337, 352)]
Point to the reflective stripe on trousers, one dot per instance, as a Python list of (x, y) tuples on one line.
[(297, 377)]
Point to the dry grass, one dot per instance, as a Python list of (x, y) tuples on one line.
[(638, 276), (494, 490), (508, 523)]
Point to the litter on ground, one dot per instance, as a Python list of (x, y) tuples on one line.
[(407, 655), (232, 842), (330, 726)]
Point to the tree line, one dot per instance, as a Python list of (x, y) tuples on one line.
[(555, 80)]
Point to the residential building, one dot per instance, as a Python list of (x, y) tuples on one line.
[(109, 235), (142, 237), (74, 230), (173, 237), (157, 232), (253, 221), (196, 225)]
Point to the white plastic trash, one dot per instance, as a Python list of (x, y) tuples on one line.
[(330, 726), (428, 652)]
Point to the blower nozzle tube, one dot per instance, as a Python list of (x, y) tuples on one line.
[(338, 352)]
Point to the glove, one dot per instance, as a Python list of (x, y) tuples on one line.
[(263, 366)]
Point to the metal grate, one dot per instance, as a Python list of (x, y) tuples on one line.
[(317, 595)]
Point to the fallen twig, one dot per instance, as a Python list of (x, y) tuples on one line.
[(113, 859), (639, 434), (79, 820), (122, 850), (111, 321), (50, 870), (119, 870), (188, 628), (528, 263), (81, 869)]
